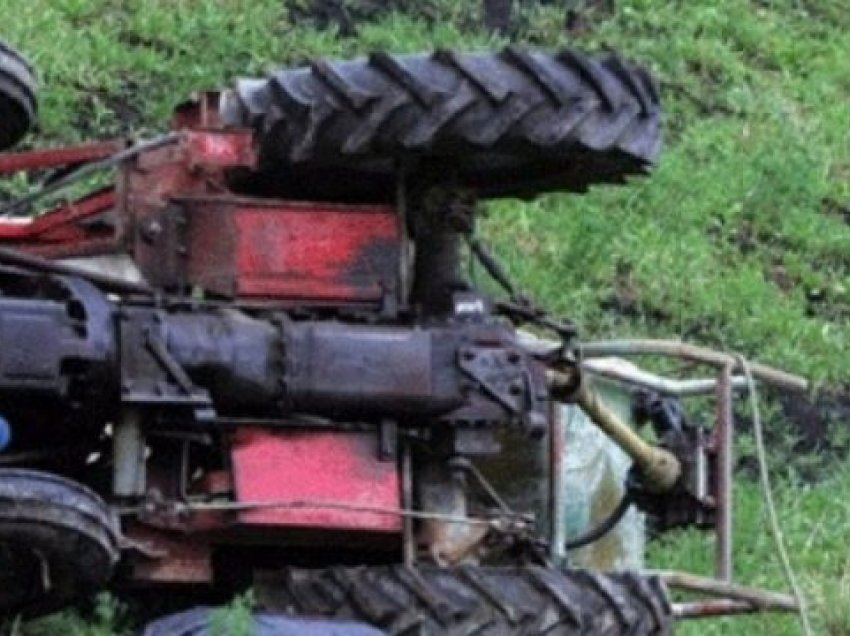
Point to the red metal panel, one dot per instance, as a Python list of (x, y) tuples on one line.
[(302, 468), (292, 251), (316, 253)]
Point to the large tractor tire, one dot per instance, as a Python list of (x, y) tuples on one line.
[(17, 96), (514, 123), (58, 542), (485, 601)]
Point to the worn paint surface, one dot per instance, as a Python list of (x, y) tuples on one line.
[(293, 251), (298, 467)]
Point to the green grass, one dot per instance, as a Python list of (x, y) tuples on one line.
[(813, 521), (737, 238), (740, 238)]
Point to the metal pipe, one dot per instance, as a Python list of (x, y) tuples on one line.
[(499, 523), (557, 491), (408, 538), (52, 157), (720, 607), (20, 206), (723, 439), (760, 599), (653, 382), (17, 258), (128, 443), (677, 349), (660, 468)]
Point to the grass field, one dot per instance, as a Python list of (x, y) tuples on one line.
[(740, 239)]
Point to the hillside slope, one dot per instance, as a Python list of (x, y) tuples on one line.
[(740, 239)]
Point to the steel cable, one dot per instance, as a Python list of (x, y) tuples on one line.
[(776, 530)]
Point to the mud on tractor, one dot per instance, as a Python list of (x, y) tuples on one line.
[(255, 359)]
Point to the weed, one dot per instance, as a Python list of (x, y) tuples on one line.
[(235, 619), (106, 617)]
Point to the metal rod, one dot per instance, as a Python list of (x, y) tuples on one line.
[(128, 442), (720, 607), (463, 464), (20, 206), (724, 432), (677, 349), (761, 599), (653, 382), (557, 492), (660, 467), (408, 538), (235, 506), (17, 258), (52, 157)]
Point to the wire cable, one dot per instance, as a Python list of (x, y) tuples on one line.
[(603, 528), (21, 206), (770, 505)]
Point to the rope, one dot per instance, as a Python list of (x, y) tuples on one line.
[(776, 531)]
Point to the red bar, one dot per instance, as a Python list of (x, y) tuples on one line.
[(62, 217), (53, 157)]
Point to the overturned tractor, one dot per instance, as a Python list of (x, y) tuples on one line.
[(257, 361)]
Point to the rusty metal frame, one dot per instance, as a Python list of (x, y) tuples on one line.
[(724, 433), (724, 598), (729, 598)]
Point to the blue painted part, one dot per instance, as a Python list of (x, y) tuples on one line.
[(5, 434), (202, 621)]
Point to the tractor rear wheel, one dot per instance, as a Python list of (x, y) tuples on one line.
[(513, 123), (58, 542), (17, 96), (486, 601)]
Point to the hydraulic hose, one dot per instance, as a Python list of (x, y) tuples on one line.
[(608, 524)]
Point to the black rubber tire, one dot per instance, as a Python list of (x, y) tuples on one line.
[(58, 542), (513, 123), (486, 601), (17, 96)]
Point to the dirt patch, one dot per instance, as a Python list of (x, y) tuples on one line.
[(825, 296), (810, 437), (835, 209)]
